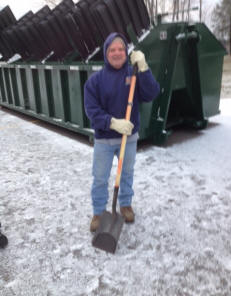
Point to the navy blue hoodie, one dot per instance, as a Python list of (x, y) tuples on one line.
[(106, 94)]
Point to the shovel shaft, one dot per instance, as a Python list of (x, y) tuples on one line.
[(114, 202), (124, 138)]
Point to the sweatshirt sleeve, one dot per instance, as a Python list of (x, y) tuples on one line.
[(147, 85), (98, 117)]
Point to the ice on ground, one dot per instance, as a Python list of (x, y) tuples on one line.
[(179, 244)]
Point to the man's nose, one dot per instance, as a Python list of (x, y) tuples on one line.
[(117, 52)]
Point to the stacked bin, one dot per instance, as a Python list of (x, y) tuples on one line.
[(70, 31), (181, 57)]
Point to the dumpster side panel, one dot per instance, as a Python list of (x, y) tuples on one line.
[(211, 56), (23, 84), (2, 87), (211, 76), (76, 98), (163, 50), (53, 93), (31, 90), (57, 94), (19, 86), (6, 79), (14, 86), (36, 90), (153, 48), (43, 93)]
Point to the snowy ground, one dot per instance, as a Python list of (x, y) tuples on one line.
[(179, 245)]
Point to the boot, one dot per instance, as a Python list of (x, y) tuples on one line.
[(128, 214), (94, 223), (3, 239)]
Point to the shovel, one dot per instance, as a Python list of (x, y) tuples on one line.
[(108, 232)]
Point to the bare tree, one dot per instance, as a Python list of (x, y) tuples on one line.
[(188, 10), (183, 9), (200, 10), (156, 5), (178, 9), (151, 7), (163, 6), (221, 18), (174, 10)]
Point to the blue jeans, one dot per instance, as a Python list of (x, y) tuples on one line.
[(102, 164)]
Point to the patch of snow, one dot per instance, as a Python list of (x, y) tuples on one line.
[(178, 245)]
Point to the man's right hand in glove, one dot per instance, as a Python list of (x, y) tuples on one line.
[(122, 126)]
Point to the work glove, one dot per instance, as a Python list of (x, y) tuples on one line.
[(138, 57), (122, 126)]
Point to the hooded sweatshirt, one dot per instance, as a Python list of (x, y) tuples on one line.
[(106, 94)]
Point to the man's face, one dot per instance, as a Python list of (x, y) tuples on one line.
[(116, 54)]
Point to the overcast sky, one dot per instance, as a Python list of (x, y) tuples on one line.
[(19, 8)]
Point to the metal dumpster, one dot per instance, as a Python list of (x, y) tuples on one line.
[(187, 61)]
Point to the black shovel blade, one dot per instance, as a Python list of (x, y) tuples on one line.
[(107, 235)]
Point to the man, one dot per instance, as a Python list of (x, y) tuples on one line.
[(105, 97)]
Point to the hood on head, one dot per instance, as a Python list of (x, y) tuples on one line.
[(108, 42)]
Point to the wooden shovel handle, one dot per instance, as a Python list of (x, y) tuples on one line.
[(124, 137)]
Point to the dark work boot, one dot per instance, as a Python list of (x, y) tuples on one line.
[(94, 223), (3, 239), (128, 214)]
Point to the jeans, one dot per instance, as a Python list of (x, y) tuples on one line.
[(102, 164)]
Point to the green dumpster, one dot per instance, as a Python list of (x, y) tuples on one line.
[(187, 61)]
